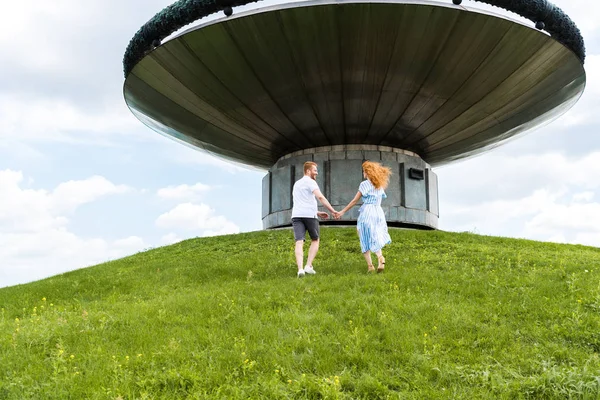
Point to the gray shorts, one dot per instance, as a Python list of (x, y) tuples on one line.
[(301, 225)]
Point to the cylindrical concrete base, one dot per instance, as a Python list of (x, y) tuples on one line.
[(412, 194)]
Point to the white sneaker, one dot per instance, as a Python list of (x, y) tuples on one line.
[(309, 270), (301, 273)]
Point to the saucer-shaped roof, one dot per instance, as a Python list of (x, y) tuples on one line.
[(442, 81)]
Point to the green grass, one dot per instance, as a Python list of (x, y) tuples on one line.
[(454, 316)]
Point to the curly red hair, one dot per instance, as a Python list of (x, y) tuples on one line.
[(377, 174)]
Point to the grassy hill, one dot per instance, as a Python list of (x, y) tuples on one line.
[(454, 316)]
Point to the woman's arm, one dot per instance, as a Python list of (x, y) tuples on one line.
[(350, 205)]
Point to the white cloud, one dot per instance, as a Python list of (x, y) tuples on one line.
[(69, 195), (191, 216), (170, 238), (583, 197), (183, 192), (20, 31), (500, 175), (556, 218), (131, 242), (56, 120), (542, 216), (31, 256), (33, 228), (188, 155), (196, 217), (558, 238), (227, 228), (545, 197), (25, 209), (19, 151), (62, 71), (32, 210), (587, 238), (64, 35)]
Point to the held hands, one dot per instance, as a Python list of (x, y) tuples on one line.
[(335, 214)]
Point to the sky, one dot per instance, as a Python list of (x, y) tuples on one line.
[(82, 181)]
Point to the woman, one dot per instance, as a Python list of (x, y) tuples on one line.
[(371, 225)]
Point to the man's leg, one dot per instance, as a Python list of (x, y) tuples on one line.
[(313, 230), (299, 233), (299, 251), (312, 251)]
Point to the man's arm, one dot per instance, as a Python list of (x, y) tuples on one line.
[(322, 214), (323, 200)]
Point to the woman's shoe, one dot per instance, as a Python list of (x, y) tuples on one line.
[(381, 265), (370, 269)]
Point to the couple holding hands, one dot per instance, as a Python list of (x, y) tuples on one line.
[(371, 225)]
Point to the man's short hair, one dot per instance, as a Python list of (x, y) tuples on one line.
[(308, 165)]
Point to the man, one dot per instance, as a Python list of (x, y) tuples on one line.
[(304, 216)]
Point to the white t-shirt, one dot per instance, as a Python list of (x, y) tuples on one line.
[(305, 202)]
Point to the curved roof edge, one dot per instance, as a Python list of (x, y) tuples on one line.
[(185, 12)]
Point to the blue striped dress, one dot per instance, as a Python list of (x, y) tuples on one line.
[(372, 229)]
